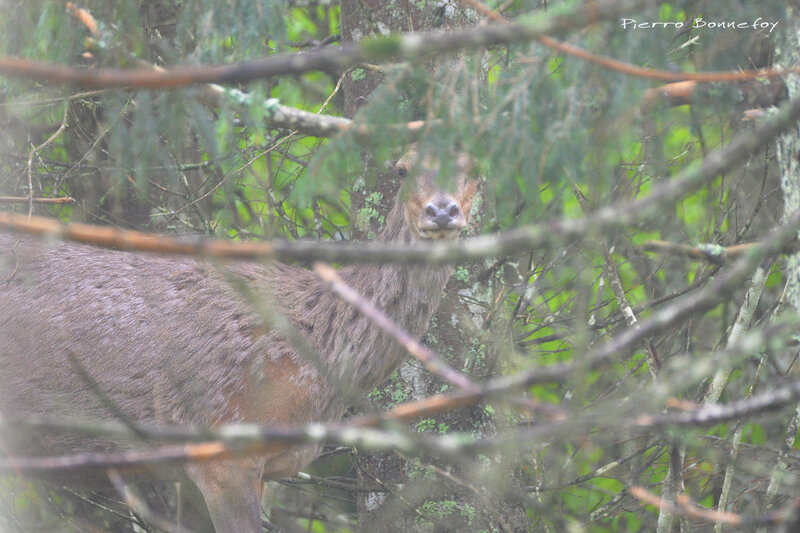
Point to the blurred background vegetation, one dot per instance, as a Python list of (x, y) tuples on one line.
[(542, 124)]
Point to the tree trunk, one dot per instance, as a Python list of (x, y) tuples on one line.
[(411, 499)]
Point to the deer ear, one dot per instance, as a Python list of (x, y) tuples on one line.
[(468, 194)]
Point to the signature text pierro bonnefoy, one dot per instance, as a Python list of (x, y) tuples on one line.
[(756, 24)]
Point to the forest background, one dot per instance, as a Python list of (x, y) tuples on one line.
[(637, 367)]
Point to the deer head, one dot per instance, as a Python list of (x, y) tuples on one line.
[(431, 211)]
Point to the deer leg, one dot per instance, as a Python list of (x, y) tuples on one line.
[(232, 490)]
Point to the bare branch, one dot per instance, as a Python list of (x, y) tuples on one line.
[(138, 504), (685, 507), (433, 362), (530, 237), (248, 439), (281, 116), (376, 49), (36, 150), (633, 70), (711, 253), (25, 200)]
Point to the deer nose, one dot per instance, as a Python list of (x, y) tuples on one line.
[(442, 213)]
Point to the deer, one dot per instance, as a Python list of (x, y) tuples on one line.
[(169, 340)]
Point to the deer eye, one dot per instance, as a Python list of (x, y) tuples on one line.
[(402, 171)]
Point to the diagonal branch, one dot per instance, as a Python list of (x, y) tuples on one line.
[(433, 362), (633, 70), (377, 49), (685, 507)]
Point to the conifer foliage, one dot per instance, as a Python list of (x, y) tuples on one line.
[(625, 298)]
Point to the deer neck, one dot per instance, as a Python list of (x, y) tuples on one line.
[(353, 348), (408, 294)]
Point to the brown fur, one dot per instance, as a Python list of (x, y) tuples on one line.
[(171, 341)]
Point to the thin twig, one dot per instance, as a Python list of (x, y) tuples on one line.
[(139, 506), (24, 200), (35, 150), (433, 362), (653, 363)]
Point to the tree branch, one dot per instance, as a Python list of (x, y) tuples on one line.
[(711, 253), (376, 49), (604, 219), (433, 362), (281, 116), (25, 200), (685, 507)]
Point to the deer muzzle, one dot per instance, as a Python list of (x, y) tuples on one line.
[(442, 218)]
